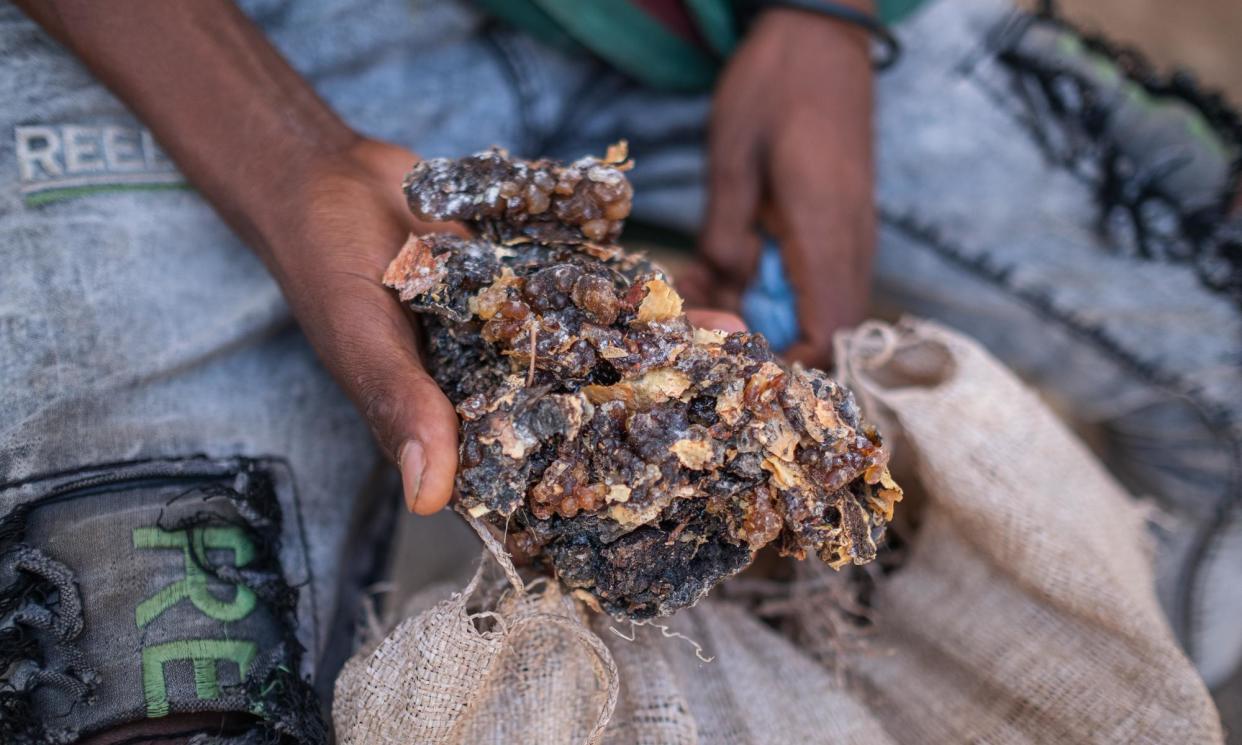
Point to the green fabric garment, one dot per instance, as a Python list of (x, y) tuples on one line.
[(634, 42), (893, 11)]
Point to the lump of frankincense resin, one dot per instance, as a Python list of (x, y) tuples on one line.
[(516, 200), (639, 459)]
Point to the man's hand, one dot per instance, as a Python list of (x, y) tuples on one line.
[(354, 219), (320, 205), (790, 152), (351, 222)]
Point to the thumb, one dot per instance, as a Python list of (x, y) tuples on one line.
[(416, 426), (366, 339)]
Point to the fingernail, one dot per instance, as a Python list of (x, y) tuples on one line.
[(411, 461)]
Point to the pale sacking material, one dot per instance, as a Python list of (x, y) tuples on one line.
[(1023, 612)]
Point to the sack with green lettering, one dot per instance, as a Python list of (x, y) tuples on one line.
[(1021, 610)]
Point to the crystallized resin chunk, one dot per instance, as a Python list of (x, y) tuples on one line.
[(639, 459), (516, 200)]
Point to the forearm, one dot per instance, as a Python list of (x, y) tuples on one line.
[(240, 123)]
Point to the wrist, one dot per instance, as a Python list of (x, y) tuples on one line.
[(831, 21), (792, 23)]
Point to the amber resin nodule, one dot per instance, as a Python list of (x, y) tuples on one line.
[(641, 459)]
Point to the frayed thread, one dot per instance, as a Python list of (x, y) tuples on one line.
[(666, 632), (40, 617)]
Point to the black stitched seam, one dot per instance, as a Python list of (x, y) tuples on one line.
[(1216, 249)]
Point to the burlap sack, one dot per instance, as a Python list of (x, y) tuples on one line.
[(1023, 612), (527, 670)]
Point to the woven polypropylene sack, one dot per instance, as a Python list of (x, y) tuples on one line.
[(1023, 612)]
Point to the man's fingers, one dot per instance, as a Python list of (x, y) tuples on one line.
[(828, 297), (715, 319), (354, 222), (365, 337), (826, 238), (695, 282), (417, 425), (811, 355), (729, 241)]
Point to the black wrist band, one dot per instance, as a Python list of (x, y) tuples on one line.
[(888, 42)]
